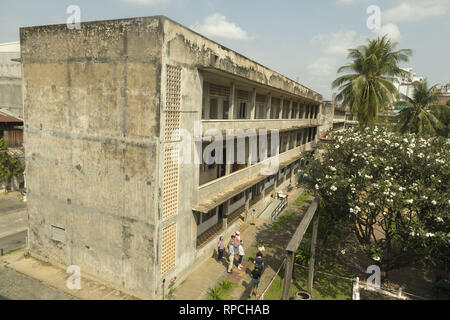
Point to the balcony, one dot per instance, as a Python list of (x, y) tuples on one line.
[(214, 193), (257, 124)]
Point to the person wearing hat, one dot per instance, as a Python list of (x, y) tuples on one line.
[(237, 239), (237, 243)]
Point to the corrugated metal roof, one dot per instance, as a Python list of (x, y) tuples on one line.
[(8, 118)]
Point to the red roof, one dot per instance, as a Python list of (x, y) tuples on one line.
[(7, 118)]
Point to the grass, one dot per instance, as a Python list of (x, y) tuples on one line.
[(283, 220), (251, 254), (325, 287), (300, 200), (222, 290)]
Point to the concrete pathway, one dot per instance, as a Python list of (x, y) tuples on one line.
[(52, 277), (16, 286), (207, 274), (13, 214)]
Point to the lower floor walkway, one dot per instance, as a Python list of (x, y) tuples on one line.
[(208, 273)]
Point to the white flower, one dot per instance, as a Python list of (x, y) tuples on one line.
[(410, 201), (343, 251), (333, 188), (332, 168), (401, 189), (429, 235), (434, 202), (371, 204), (351, 210), (439, 219), (376, 258), (317, 187)]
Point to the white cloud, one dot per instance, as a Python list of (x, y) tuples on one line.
[(345, 2), (147, 2), (217, 25), (391, 30), (334, 49), (416, 10)]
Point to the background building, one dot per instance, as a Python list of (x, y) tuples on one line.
[(102, 109), (10, 79)]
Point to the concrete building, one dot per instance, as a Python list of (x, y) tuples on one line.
[(405, 85), (102, 105), (341, 116), (10, 79), (445, 89)]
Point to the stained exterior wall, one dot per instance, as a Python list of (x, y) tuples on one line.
[(91, 131)]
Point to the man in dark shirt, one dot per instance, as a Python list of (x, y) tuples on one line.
[(259, 261)]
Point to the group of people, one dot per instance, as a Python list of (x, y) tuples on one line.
[(236, 253)]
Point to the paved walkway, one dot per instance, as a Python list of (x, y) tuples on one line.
[(16, 286), (207, 274), (29, 271)]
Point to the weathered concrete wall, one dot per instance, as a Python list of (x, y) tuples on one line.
[(192, 52), (91, 130), (10, 84)]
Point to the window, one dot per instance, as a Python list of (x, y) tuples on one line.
[(242, 111), (236, 198), (213, 108), (299, 138), (211, 214), (226, 109), (58, 234), (262, 111)]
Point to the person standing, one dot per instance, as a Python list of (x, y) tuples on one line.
[(259, 261), (220, 250), (256, 275), (231, 253), (241, 254), (261, 248)]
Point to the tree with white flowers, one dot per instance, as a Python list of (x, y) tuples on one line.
[(388, 190)]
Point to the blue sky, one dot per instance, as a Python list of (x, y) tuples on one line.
[(299, 38)]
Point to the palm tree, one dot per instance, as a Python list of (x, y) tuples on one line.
[(369, 88), (423, 113)]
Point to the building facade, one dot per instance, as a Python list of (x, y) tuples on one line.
[(10, 79), (103, 107)]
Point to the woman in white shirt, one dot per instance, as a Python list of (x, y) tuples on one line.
[(261, 248), (241, 254)]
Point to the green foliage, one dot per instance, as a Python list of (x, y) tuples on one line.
[(303, 253), (388, 190), (281, 223), (423, 114), (226, 284), (222, 290), (300, 200), (9, 166), (215, 293), (369, 88)]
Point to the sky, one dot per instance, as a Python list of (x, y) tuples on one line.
[(301, 39)]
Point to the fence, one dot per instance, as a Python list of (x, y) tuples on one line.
[(355, 285), (279, 209)]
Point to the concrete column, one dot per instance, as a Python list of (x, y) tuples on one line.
[(253, 105), (290, 110), (280, 115), (232, 101), (269, 105), (290, 260), (312, 258), (205, 105)]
